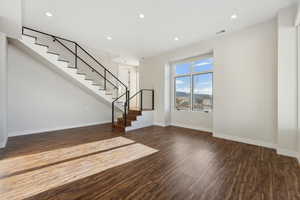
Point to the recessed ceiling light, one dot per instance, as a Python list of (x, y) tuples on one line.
[(234, 16), (176, 38), (142, 16), (109, 38), (49, 14)]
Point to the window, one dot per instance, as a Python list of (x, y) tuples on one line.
[(193, 81), (202, 92), (183, 92)]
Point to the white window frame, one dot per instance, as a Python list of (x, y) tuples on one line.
[(191, 74)]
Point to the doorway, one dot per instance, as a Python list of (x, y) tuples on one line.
[(129, 75)]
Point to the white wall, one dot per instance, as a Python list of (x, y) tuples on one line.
[(11, 18), (3, 90), (287, 81), (155, 73), (39, 99), (244, 85)]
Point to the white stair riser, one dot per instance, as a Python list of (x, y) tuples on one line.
[(143, 120)]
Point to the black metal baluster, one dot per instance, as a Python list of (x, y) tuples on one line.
[(76, 55), (152, 99), (141, 104), (113, 113), (105, 79), (128, 97), (125, 107)]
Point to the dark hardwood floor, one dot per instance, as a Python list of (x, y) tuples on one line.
[(189, 165)]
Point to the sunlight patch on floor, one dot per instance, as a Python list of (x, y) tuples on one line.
[(22, 163), (34, 182)]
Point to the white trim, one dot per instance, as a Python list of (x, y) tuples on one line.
[(192, 127), (245, 140), (28, 132), (287, 152), (3, 89), (162, 124)]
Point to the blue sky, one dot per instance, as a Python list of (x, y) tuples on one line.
[(198, 66), (202, 83)]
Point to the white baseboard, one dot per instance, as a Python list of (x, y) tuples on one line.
[(287, 152), (192, 127), (160, 124), (28, 132), (279, 151), (245, 140)]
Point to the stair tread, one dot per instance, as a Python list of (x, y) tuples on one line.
[(41, 44), (127, 119), (63, 61), (81, 73), (30, 36), (118, 125), (53, 53)]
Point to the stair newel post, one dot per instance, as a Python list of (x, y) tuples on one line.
[(152, 99), (125, 108), (141, 104), (128, 105), (76, 55), (104, 79), (113, 113)]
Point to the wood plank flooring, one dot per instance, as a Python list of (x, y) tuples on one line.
[(28, 184), (21, 164), (189, 165)]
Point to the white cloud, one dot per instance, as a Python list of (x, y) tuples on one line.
[(179, 82), (186, 90), (204, 83), (202, 64), (203, 91)]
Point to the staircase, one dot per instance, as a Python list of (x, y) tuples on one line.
[(77, 63), (131, 116)]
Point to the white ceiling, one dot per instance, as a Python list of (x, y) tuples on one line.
[(90, 21)]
